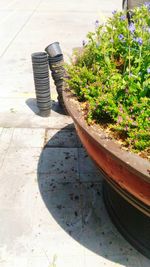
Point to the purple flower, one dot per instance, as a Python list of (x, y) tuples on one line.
[(147, 4), (132, 27), (139, 40), (123, 17), (83, 43), (148, 70), (120, 36), (96, 24), (114, 12)]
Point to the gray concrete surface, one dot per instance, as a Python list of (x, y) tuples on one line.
[(51, 208)]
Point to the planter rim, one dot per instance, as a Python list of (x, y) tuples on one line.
[(51, 44), (39, 55), (53, 50), (133, 162)]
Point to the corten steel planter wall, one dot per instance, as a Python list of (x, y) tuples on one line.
[(130, 4), (126, 173)]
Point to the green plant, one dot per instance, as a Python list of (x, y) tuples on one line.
[(112, 76)]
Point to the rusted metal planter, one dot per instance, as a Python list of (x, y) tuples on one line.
[(130, 4), (126, 174)]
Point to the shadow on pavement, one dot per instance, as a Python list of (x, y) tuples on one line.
[(71, 188), (32, 104)]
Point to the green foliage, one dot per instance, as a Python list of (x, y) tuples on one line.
[(112, 75)]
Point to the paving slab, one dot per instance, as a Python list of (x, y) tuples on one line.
[(59, 160), (23, 120), (25, 137), (43, 216), (86, 166), (64, 138)]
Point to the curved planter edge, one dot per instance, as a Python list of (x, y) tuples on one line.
[(126, 172)]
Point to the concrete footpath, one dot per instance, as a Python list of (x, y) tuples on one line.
[(51, 208)]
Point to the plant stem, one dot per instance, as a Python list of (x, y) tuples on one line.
[(129, 61), (140, 57), (129, 54)]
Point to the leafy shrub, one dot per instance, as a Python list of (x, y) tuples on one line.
[(112, 76)]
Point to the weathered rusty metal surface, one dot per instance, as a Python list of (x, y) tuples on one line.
[(127, 172)]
